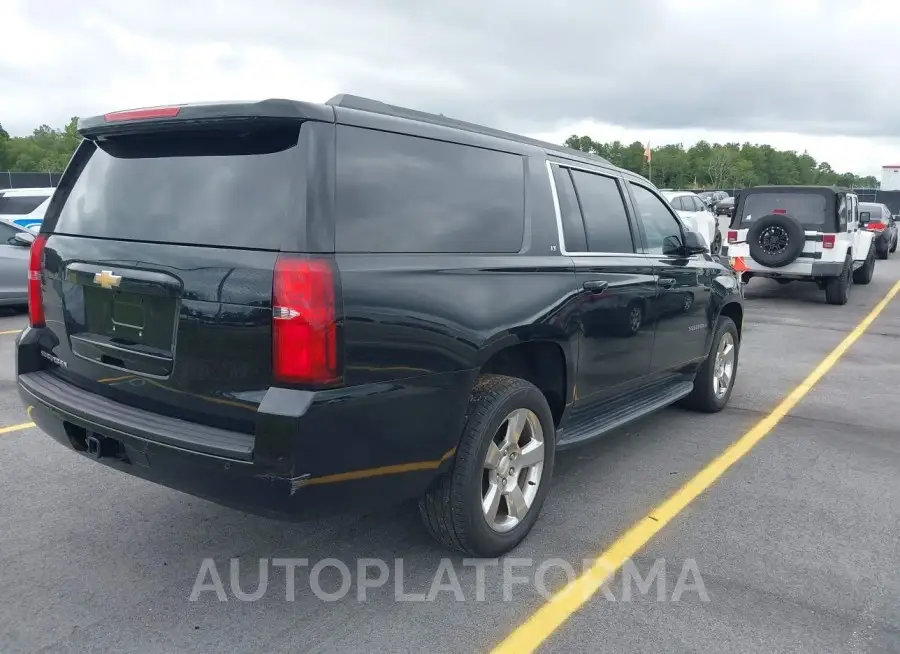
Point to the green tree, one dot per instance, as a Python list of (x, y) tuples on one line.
[(46, 150), (720, 165)]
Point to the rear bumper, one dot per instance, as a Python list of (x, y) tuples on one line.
[(312, 454)]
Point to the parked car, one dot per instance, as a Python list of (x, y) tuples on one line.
[(403, 317), (877, 219), (808, 233), (710, 198), (697, 216), (14, 254), (24, 207), (725, 207)]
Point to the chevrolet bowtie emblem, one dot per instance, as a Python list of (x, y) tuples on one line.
[(107, 279)]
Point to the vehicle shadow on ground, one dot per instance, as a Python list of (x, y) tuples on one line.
[(604, 469), (798, 291)]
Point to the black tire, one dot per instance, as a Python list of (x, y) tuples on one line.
[(703, 397), (716, 246), (864, 274), (451, 510), (837, 289), (786, 228), (894, 245)]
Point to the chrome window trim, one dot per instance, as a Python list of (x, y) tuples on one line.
[(559, 227)]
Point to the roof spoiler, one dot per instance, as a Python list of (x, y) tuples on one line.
[(206, 114)]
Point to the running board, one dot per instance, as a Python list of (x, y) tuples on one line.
[(589, 424)]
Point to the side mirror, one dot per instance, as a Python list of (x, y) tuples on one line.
[(693, 244), (25, 239), (671, 245)]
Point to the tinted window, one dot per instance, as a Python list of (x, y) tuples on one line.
[(808, 208), (603, 208), (658, 221), (20, 204), (570, 212), (216, 188), (399, 193)]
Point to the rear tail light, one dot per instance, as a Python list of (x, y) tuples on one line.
[(35, 293), (876, 227), (304, 322), (732, 236), (828, 241), (779, 211), (142, 114)]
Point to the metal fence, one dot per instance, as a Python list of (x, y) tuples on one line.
[(28, 180)]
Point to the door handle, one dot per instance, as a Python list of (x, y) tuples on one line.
[(596, 286), (666, 282)]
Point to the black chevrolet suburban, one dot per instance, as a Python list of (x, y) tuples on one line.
[(295, 309)]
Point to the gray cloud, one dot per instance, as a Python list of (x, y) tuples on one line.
[(526, 66)]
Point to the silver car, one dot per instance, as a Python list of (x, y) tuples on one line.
[(15, 245)]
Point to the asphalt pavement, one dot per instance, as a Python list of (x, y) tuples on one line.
[(794, 549)]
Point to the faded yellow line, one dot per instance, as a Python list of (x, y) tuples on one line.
[(24, 425), (11, 331), (536, 629)]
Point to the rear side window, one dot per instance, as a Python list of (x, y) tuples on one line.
[(569, 211), (398, 193), (17, 205), (603, 208), (810, 209), (216, 188)]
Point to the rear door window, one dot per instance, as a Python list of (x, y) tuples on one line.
[(603, 208), (570, 212), (19, 205), (809, 209), (398, 193), (218, 188)]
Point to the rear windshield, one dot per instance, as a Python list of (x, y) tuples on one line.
[(218, 188), (19, 205), (810, 209)]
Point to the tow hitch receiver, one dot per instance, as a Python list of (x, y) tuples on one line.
[(100, 446)]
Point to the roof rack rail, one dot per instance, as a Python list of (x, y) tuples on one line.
[(360, 103)]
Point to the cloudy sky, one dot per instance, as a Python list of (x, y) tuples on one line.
[(819, 75)]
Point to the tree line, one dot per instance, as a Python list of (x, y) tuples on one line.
[(703, 165), (720, 166), (45, 150)]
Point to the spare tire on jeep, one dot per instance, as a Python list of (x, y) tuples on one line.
[(775, 240)]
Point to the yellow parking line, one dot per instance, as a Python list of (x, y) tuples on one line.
[(536, 629), (24, 425), (11, 331)]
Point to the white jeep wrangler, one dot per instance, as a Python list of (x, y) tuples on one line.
[(807, 233)]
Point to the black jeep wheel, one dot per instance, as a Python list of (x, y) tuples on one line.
[(837, 289), (864, 274), (776, 240), (501, 473)]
